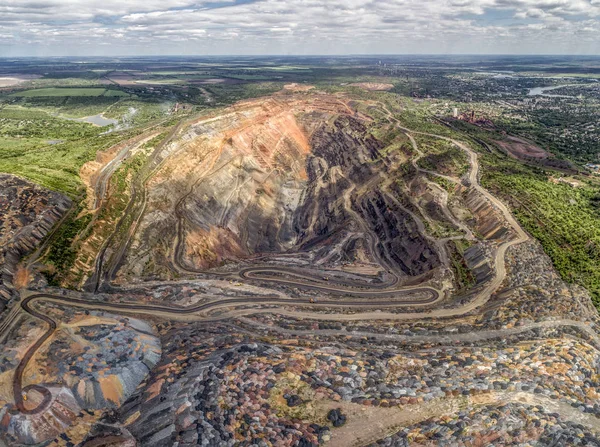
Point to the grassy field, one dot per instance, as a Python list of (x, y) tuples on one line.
[(69, 91), (228, 94), (25, 137), (136, 112), (251, 77), (115, 93)]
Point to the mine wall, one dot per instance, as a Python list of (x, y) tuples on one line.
[(28, 214)]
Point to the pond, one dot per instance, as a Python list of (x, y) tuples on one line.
[(98, 120)]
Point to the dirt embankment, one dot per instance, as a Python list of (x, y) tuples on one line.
[(96, 174), (298, 87), (27, 214)]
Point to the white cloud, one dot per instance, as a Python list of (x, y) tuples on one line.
[(299, 26)]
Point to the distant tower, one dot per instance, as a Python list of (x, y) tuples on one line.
[(455, 112)]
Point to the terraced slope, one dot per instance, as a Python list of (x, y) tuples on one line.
[(286, 175), (307, 280)]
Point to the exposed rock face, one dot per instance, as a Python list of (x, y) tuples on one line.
[(61, 411), (399, 241), (476, 258), (291, 174), (113, 357), (98, 360), (27, 213), (104, 435), (234, 181), (487, 220)]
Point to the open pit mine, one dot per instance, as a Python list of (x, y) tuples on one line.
[(297, 270)]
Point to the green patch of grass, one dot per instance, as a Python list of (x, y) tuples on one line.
[(442, 156), (250, 77), (444, 183), (452, 162), (136, 112), (71, 106), (61, 81), (225, 94), (116, 93)]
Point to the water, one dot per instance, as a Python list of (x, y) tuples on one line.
[(541, 91), (98, 120)]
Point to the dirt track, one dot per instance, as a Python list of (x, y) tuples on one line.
[(388, 295)]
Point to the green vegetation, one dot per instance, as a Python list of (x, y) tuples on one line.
[(62, 252), (225, 94), (442, 157), (565, 219), (72, 106), (75, 102), (251, 77), (444, 183), (68, 91), (48, 150), (119, 185), (135, 112), (463, 276)]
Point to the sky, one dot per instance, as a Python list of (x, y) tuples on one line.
[(297, 27)]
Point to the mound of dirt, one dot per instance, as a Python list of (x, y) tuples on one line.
[(522, 149)]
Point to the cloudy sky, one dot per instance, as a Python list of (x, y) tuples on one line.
[(155, 27)]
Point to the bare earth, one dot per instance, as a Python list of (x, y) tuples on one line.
[(520, 148), (373, 86)]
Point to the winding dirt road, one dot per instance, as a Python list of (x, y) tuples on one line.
[(366, 295)]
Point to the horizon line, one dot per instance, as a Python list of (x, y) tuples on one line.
[(306, 55)]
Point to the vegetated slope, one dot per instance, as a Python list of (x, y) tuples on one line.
[(48, 150), (563, 215)]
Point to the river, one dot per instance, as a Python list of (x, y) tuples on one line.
[(541, 91)]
